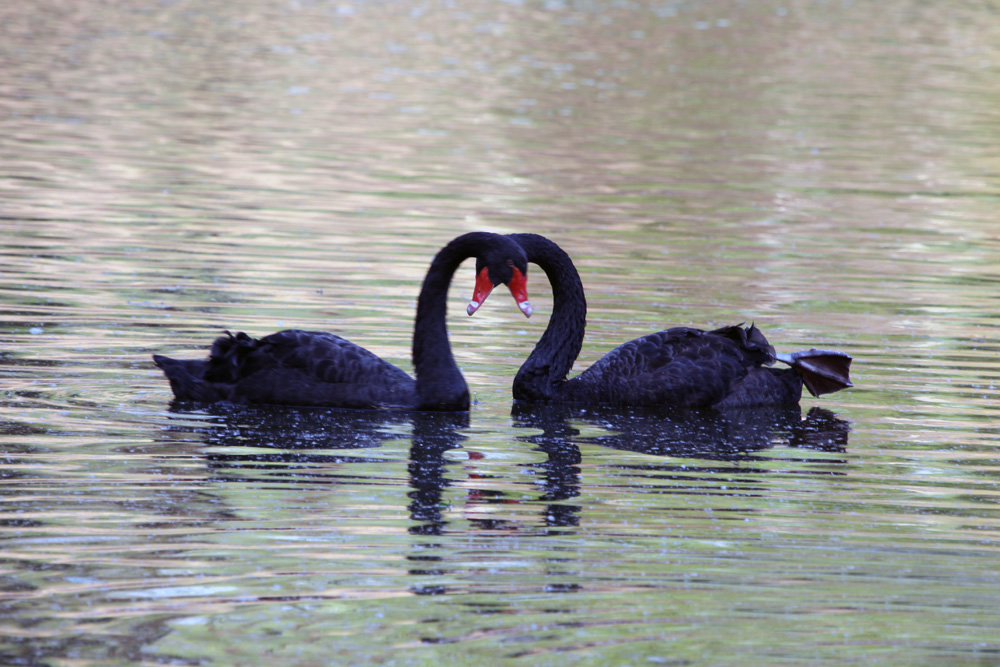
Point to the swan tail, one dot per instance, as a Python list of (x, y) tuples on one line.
[(187, 378), (822, 371), (208, 380), (750, 339)]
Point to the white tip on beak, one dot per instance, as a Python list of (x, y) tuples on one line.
[(526, 308), (473, 307)]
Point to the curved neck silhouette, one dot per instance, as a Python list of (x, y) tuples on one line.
[(679, 367), (320, 369), (439, 382), (542, 375)]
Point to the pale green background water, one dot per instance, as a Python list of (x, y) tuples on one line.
[(828, 170)]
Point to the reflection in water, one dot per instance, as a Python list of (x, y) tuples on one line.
[(296, 443), (433, 435), (287, 437), (262, 447), (729, 435)]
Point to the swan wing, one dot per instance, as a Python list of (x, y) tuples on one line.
[(679, 367), (308, 368)]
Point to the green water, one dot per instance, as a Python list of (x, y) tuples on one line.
[(824, 169)]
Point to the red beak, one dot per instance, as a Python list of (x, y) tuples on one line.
[(518, 289), (483, 288)]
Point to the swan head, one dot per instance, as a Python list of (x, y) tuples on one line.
[(507, 268)]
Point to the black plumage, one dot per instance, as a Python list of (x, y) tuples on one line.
[(309, 368), (677, 368)]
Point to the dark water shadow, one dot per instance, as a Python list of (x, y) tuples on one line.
[(282, 445), (709, 436), (287, 443), (296, 444), (730, 435)]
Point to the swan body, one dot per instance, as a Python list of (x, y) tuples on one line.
[(679, 367), (310, 368)]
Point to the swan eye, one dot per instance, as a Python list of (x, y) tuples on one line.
[(510, 262)]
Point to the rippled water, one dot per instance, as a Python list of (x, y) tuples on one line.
[(825, 169)]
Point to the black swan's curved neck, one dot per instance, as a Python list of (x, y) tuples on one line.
[(541, 375), (440, 385)]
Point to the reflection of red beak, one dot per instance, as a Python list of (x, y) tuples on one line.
[(518, 289)]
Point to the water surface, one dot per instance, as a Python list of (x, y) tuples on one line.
[(823, 169)]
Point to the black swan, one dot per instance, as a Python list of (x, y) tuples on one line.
[(676, 368), (307, 368)]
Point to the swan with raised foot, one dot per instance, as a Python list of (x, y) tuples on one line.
[(679, 367)]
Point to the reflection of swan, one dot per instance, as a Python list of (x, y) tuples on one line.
[(287, 444), (679, 367), (716, 435), (304, 368), (433, 436), (709, 435), (291, 446), (294, 445)]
